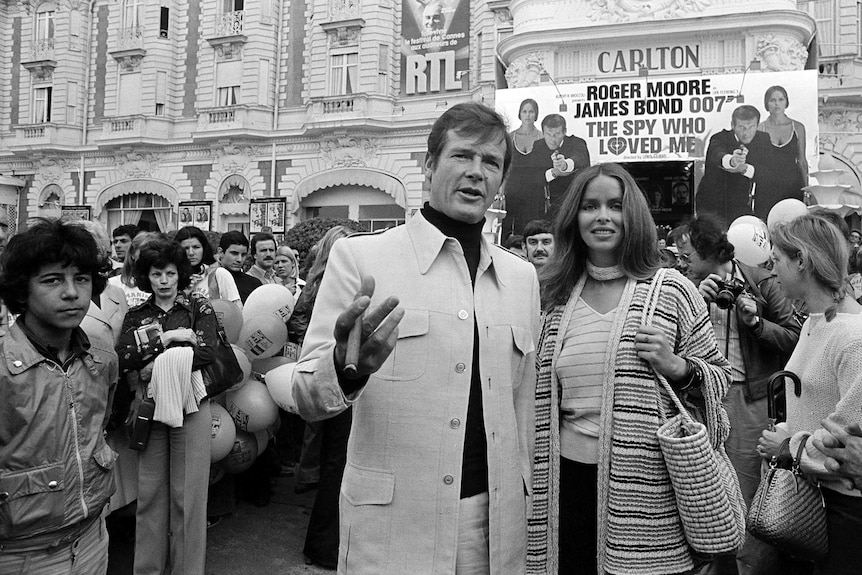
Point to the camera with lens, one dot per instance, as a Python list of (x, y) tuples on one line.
[(728, 291)]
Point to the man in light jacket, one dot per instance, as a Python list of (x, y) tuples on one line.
[(438, 463)]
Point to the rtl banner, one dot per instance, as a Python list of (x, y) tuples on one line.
[(434, 45)]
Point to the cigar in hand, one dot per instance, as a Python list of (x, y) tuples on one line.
[(354, 340)]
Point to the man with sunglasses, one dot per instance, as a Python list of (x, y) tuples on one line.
[(757, 331)]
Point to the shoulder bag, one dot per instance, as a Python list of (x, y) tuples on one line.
[(224, 372), (708, 497)]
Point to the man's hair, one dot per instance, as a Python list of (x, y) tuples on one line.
[(159, 254), (554, 121), (708, 237), (130, 230), (514, 241), (468, 119), (46, 242), (744, 113), (675, 235), (232, 238), (260, 237), (536, 227), (193, 233)]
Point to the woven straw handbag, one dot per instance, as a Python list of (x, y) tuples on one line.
[(708, 497), (788, 510)]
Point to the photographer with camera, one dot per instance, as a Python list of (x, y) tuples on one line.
[(757, 331)]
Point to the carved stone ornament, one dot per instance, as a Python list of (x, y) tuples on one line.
[(343, 36), (51, 170), (42, 73), (840, 121), (229, 51), (525, 71), (781, 53), (503, 17), (134, 165), (345, 151), (129, 63), (344, 9), (234, 159), (632, 10)]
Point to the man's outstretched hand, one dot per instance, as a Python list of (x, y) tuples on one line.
[(379, 331)]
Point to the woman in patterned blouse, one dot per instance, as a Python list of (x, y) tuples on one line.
[(174, 465)]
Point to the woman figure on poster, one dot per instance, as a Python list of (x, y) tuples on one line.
[(602, 498), (810, 262), (524, 184), (525, 135), (785, 168), (208, 280)]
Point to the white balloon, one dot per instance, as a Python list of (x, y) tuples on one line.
[(753, 220), (785, 211), (750, 243), (269, 299), (263, 336), (243, 361), (223, 432), (280, 386), (252, 407)]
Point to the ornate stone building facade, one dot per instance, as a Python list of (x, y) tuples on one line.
[(127, 108)]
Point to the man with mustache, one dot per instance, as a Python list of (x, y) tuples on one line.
[(57, 387), (263, 250), (539, 241)]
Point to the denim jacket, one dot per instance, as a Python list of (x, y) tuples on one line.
[(55, 467)]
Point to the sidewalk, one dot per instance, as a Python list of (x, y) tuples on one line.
[(254, 540)]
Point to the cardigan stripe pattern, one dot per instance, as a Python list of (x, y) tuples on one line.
[(639, 530)]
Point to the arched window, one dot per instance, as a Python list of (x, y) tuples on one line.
[(51, 201), (44, 29)]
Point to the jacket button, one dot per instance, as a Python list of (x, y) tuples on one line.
[(448, 479), (463, 314), (52, 485), (460, 368), (455, 423), (17, 363)]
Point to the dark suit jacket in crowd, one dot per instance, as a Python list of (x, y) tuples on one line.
[(724, 193)]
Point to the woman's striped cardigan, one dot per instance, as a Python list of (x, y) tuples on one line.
[(639, 529)]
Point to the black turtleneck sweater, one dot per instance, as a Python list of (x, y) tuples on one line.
[(474, 465)]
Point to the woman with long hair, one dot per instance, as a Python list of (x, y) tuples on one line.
[(810, 262), (785, 162), (208, 279), (328, 438), (602, 497), (168, 339)]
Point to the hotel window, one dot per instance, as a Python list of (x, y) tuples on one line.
[(343, 73), (161, 92), (45, 23), (133, 13), (71, 102), (42, 98), (228, 82), (233, 5)]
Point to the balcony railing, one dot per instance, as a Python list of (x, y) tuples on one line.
[(130, 38), (339, 106), (43, 49), (221, 116), (344, 9), (229, 24), (31, 132)]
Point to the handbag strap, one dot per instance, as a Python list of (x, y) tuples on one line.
[(798, 459), (649, 311)]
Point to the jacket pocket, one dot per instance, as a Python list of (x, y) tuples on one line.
[(31, 501), (517, 341), (407, 361), (366, 486), (105, 457)]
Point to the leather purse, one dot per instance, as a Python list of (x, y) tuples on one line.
[(224, 372), (788, 511)]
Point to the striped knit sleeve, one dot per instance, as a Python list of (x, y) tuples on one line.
[(696, 342)]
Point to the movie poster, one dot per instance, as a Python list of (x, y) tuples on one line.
[(197, 214), (267, 215), (434, 45), (667, 120)]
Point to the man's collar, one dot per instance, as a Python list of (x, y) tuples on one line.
[(79, 343), (428, 242), (266, 273)]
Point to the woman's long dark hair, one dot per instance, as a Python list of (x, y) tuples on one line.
[(638, 255)]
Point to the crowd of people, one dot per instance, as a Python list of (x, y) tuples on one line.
[(470, 408)]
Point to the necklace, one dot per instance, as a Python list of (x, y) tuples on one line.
[(604, 274)]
